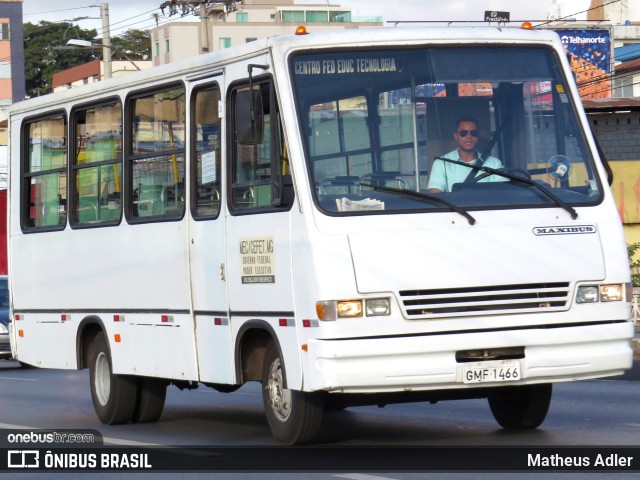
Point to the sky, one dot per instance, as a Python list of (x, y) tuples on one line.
[(128, 14)]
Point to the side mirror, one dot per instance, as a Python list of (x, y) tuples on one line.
[(249, 117)]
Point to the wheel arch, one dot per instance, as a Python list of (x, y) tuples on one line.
[(89, 327), (250, 347)]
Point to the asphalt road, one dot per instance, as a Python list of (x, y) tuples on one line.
[(589, 413)]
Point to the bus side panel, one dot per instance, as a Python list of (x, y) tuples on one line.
[(163, 346), (215, 352), (209, 293), (137, 272), (264, 242), (44, 340)]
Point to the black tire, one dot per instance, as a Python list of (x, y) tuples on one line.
[(152, 393), (294, 417), (521, 408), (114, 396)]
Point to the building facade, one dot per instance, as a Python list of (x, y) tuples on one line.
[(616, 125), (93, 71), (253, 19), (12, 83)]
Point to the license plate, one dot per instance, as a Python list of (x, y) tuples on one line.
[(491, 371)]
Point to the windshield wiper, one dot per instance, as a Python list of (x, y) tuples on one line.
[(492, 171), (423, 196)]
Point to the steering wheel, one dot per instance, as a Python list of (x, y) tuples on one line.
[(518, 172)]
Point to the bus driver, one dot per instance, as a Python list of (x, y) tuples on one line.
[(444, 174)]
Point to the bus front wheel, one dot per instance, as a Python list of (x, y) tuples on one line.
[(294, 417), (521, 408), (113, 396)]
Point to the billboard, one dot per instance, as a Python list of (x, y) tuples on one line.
[(589, 52)]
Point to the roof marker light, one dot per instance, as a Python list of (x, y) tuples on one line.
[(526, 26), (301, 30)]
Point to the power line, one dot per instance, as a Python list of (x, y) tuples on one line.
[(574, 14), (60, 10)]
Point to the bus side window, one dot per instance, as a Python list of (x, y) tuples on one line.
[(156, 154), (45, 174), (205, 135), (96, 167), (252, 155)]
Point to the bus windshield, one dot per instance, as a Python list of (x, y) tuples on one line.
[(415, 129)]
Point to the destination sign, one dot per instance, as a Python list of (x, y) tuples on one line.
[(345, 66)]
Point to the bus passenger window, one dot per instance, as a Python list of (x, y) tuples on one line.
[(96, 178), (45, 179), (205, 173), (251, 164), (156, 155)]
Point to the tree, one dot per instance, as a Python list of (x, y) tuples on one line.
[(43, 57), (135, 44), (46, 51)]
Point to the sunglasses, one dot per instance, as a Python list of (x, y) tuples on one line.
[(464, 133)]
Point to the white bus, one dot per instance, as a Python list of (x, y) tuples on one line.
[(264, 214)]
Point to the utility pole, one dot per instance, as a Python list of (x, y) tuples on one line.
[(186, 7), (204, 27), (106, 39)]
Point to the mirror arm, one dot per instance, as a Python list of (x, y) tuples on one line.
[(250, 68)]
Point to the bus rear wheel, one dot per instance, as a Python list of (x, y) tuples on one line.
[(294, 417), (521, 408), (152, 393), (113, 396)]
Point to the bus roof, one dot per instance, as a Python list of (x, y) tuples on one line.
[(282, 44)]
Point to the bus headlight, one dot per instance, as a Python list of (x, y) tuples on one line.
[(371, 307), (587, 294), (601, 293), (377, 307), (349, 308), (611, 293)]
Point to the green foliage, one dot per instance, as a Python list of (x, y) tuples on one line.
[(135, 44), (41, 57), (46, 52), (634, 263)]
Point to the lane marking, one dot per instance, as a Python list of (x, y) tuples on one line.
[(361, 476), (9, 426), (20, 379)]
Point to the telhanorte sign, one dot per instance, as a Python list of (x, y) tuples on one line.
[(493, 16)]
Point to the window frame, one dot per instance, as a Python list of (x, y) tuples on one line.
[(193, 164), (25, 180), (558, 76), (129, 157), (73, 167), (5, 30), (277, 142)]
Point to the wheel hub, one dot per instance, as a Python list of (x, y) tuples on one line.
[(102, 379), (279, 397)]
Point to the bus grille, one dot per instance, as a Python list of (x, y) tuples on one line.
[(490, 300)]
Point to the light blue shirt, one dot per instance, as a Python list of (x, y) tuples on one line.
[(444, 174)]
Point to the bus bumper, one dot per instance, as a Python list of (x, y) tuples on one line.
[(428, 362)]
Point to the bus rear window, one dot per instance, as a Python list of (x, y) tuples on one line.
[(45, 176)]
